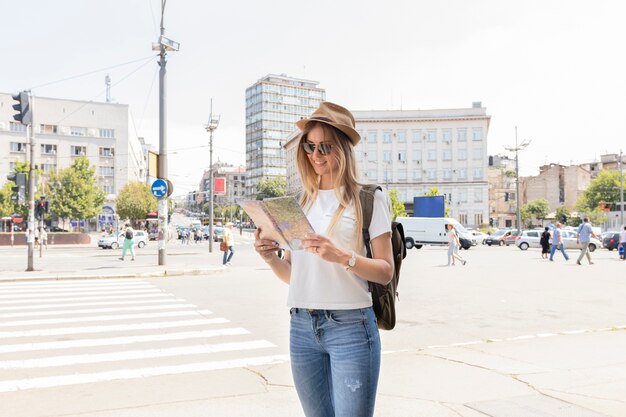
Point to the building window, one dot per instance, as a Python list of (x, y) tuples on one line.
[(401, 135), (17, 127), (48, 149), (402, 156), (18, 147), (431, 136), (107, 152), (462, 173), (447, 155), (371, 156), (446, 136), (432, 155), (447, 174), (478, 196), (78, 150), (477, 153), (388, 176), (386, 156), (417, 155), (461, 135), (106, 171), (477, 133), (478, 218), (386, 137), (463, 218), (478, 173), (371, 137), (48, 168), (461, 154), (359, 155), (372, 175), (78, 131), (48, 129), (417, 136), (417, 174), (108, 189), (432, 174), (463, 196), (402, 175)]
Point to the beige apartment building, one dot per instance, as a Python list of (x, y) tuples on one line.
[(560, 185), (502, 187), (235, 178)]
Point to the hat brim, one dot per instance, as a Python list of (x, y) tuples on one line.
[(352, 134)]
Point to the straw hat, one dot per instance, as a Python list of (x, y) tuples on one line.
[(336, 116)]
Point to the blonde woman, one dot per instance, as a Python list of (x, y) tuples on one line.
[(334, 340), (453, 246)]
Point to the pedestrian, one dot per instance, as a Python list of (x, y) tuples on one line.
[(43, 237), (129, 242), (584, 238), (230, 242), (453, 246), (622, 243), (334, 340), (557, 243), (545, 243), (36, 233)]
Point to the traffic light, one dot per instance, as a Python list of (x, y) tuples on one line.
[(19, 191), (41, 208), (22, 107)]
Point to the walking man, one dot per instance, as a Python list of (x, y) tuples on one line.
[(230, 241), (622, 243), (557, 243), (129, 242), (584, 237)]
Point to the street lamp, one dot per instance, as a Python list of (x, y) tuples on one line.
[(621, 189), (214, 121), (515, 149)]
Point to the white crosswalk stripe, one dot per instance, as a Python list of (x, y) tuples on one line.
[(77, 332)]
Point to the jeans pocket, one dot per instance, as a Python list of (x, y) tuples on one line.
[(343, 317)]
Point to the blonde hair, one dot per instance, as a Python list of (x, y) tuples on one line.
[(345, 160)]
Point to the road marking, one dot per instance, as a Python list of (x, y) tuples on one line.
[(44, 296), (76, 379), (110, 297), (107, 317), (49, 313), (128, 355), (122, 340), (81, 288), (93, 303), (63, 283), (117, 327)]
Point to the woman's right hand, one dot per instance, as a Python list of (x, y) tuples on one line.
[(265, 247)]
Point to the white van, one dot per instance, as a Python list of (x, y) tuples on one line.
[(419, 231)]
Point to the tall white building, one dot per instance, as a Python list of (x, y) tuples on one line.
[(66, 129), (273, 105), (413, 151)]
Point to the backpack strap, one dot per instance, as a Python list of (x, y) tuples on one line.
[(366, 196)]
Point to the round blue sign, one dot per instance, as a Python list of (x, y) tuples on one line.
[(159, 188)]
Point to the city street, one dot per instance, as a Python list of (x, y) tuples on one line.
[(509, 334)]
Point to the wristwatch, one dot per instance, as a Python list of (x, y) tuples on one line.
[(351, 261)]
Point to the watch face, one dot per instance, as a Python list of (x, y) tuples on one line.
[(352, 260)]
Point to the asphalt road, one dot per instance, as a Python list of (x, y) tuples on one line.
[(509, 334)]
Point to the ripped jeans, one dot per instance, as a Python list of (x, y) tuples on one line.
[(335, 361)]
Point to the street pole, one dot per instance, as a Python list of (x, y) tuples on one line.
[(621, 189), (30, 240), (210, 127), (516, 149)]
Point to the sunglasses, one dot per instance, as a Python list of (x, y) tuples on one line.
[(322, 148)]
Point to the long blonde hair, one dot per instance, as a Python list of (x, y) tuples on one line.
[(345, 161)]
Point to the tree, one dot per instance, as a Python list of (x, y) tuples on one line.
[(8, 206), (271, 187), (603, 189), (135, 200), (397, 206), (537, 209), (562, 214)]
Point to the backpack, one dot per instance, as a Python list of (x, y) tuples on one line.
[(129, 234), (383, 296)]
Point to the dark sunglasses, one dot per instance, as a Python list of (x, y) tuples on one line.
[(322, 148)]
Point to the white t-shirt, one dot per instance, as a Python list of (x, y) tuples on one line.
[(318, 284), (451, 237), (622, 236)]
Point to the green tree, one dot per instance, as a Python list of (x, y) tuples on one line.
[(603, 189), (135, 200), (397, 206), (8, 206), (271, 187), (74, 192), (560, 212), (536, 209)]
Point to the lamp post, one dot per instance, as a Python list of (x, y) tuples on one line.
[(214, 121), (621, 189), (515, 149)]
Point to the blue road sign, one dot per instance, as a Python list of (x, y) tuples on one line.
[(159, 188)]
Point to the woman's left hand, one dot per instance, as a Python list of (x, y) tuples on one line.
[(322, 247)]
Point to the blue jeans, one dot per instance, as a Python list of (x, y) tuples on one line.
[(228, 254), (553, 249), (335, 361)]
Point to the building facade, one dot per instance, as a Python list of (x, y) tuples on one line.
[(502, 191), (413, 151), (560, 185), (273, 105), (234, 179), (67, 129)]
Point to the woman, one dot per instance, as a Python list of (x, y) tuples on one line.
[(334, 340), (230, 241), (453, 246), (545, 243)]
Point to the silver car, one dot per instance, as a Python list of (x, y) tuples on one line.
[(530, 239), (113, 242)]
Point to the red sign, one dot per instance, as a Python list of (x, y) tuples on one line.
[(152, 215), (219, 185)]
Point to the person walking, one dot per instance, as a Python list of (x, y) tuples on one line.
[(557, 243), (544, 241), (43, 237), (334, 341), (453, 246), (129, 242), (230, 242), (584, 237), (622, 243)]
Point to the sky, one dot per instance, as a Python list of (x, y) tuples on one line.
[(554, 69)]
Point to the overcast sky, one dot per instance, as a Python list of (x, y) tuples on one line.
[(555, 69)]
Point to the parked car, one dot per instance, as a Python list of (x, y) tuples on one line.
[(419, 231), (529, 239), (611, 241), (218, 234), (57, 229), (479, 236), (114, 242), (569, 241), (496, 238), (511, 237)]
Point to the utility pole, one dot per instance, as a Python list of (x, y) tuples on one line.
[(621, 189), (163, 46), (516, 149), (214, 121), (31, 187)]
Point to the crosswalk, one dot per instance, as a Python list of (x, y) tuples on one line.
[(62, 333)]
